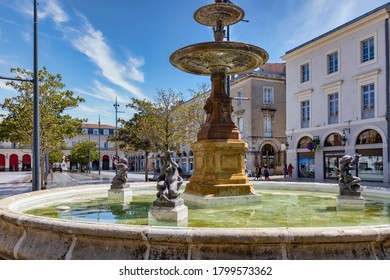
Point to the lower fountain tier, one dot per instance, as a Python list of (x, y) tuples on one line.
[(219, 174), (204, 58)]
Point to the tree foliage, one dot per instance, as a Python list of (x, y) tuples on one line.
[(84, 152), (195, 115), (54, 100), (163, 124)]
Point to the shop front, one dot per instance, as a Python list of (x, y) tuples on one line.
[(331, 164), (306, 165), (370, 166)]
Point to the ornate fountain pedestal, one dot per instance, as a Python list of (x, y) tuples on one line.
[(219, 172), (124, 195), (346, 202), (120, 191), (350, 197), (219, 177), (168, 208), (172, 212)]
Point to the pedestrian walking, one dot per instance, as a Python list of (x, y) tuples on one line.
[(258, 173), (285, 171), (266, 173), (290, 170)]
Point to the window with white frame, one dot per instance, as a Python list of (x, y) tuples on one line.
[(85, 131), (267, 126), (305, 73), (106, 132), (305, 114), (96, 131), (333, 62), (268, 95), (333, 108), (105, 145), (367, 50), (240, 96), (368, 101)]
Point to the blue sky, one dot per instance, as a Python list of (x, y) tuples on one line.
[(120, 48)]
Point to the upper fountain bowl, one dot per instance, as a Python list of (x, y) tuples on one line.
[(225, 14), (205, 58)]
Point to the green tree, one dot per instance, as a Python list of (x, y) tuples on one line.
[(84, 152), (55, 123), (134, 134), (194, 115), (169, 120), (56, 154), (160, 125)]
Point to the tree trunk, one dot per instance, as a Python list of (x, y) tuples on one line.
[(146, 166), (42, 172)]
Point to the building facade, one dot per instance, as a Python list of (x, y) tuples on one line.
[(14, 158), (95, 133), (338, 99), (259, 102)]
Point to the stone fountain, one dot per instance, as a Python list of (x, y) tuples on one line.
[(219, 164), (219, 177), (350, 197)]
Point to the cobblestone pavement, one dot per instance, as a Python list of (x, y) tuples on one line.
[(12, 183)]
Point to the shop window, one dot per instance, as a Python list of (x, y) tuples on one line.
[(369, 136), (302, 144), (333, 139)]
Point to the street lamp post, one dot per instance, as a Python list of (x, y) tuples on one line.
[(89, 151), (116, 105), (99, 147), (36, 186)]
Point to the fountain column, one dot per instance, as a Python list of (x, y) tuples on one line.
[(219, 154)]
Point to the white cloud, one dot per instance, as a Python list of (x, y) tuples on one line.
[(317, 17), (133, 64), (103, 92), (46, 9), (87, 109), (92, 43), (3, 86), (54, 10)]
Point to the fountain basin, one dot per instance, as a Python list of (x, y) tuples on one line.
[(204, 58), (24, 236)]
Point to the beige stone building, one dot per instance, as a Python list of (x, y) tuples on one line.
[(259, 102), (14, 158)]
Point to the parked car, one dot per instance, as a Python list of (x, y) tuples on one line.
[(57, 167)]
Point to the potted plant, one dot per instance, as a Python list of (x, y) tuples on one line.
[(314, 145)]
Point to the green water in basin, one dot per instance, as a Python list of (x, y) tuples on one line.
[(280, 208)]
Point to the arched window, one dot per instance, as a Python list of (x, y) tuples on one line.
[(302, 144), (268, 156), (96, 132), (369, 136), (333, 139)]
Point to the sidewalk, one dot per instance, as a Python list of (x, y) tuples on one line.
[(12, 183), (280, 178)]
